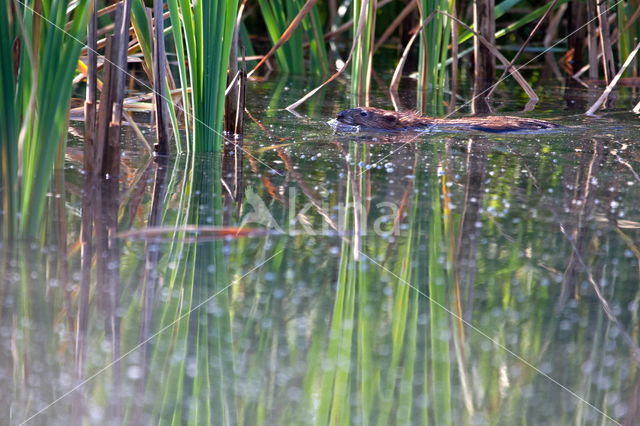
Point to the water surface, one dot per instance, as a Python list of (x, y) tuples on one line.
[(454, 278)]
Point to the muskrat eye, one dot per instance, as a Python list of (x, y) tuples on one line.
[(364, 113)]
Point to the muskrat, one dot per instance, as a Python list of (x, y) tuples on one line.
[(380, 119)]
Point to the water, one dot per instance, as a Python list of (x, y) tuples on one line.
[(459, 278)]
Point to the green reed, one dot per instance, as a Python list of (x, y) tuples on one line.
[(433, 46), (9, 113), (362, 62), (39, 62), (277, 15), (629, 31), (504, 7), (49, 90), (202, 36), (142, 28)]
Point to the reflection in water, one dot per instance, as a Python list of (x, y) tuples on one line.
[(399, 275), (580, 198)]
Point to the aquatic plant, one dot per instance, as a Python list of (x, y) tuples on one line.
[(39, 60), (9, 113), (277, 16), (202, 36), (362, 62), (434, 41)]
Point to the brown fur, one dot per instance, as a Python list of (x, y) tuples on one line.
[(376, 118)]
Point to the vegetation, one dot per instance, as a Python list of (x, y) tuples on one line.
[(36, 88), (144, 302), (41, 41), (206, 31), (387, 330)]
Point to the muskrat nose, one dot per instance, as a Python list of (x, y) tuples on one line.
[(340, 114)]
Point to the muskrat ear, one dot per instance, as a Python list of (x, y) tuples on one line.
[(390, 118)]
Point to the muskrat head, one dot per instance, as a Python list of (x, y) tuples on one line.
[(369, 117)]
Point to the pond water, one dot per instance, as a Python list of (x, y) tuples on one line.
[(366, 278)]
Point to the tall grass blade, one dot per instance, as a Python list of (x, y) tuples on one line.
[(45, 124), (361, 65), (433, 44), (9, 128), (202, 36), (288, 46)]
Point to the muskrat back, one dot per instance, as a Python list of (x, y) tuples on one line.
[(380, 119)]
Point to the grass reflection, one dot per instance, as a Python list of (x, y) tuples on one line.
[(472, 307)]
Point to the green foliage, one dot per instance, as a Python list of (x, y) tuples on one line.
[(202, 35), (434, 40), (142, 28), (277, 15), (362, 62), (10, 125), (629, 32), (34, 102), (56, 53)]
